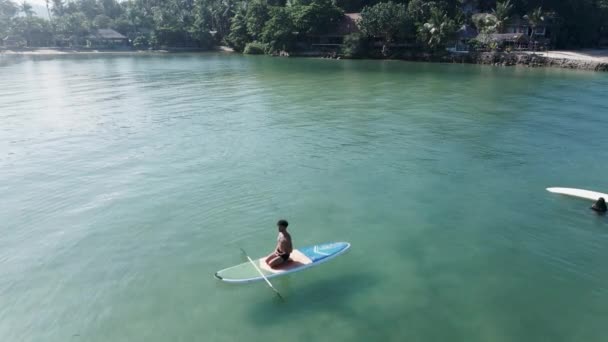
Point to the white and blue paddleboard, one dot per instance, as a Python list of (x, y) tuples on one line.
[(580, 193), (300, 259)]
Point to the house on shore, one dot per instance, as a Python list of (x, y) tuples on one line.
[(464, 35), (106, 39), (14, 41), (522, 25), (517, 34), (504, 41), (334, 39), (538, 36)]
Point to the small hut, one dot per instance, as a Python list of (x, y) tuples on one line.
[(335, 38), (14, 41), (106, 38), (502, 41)]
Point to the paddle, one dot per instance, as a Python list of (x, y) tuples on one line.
[(262, 274)]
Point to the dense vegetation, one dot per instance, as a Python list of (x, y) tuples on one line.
[(262, 26)]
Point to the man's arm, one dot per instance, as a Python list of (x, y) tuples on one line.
[(285, 243)]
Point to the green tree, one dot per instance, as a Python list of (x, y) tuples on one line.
[(90, 8), (135, 15), (386, 19), (603, 13), (200, 31), (26, 9), (485, 23), (535, 18), (141, 42), (221, 11), (278, 31), (8, 10), (75, 26), (318, 17), (71, 7), (58, 8), (124, 26), (437, 31), (255, 48), (256, 17), (354, 45), (581, 21), (214, 15), (419, 11), (37, 31), (48, 8), (102, 21), (502, 13), (172, 22), (110, 8), (22, 25), (170, 36), (238, 36)]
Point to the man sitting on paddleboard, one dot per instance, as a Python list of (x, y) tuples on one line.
[(284, 246)]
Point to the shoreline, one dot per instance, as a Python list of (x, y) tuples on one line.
[(549, 59), (590, 60), (587, 60), (51, 51)]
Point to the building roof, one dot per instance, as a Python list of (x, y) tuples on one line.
[(502, 37), (353, 16), (13, 38), (348, 24), (106, 34)]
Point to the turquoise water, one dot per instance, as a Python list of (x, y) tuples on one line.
[(127, 181)]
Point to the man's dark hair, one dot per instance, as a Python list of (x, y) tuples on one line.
[(283, 223)]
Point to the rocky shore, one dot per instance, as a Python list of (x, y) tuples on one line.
[(557, 59), (523, 59), (592, 60)]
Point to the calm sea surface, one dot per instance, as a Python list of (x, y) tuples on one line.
[(127, 181)]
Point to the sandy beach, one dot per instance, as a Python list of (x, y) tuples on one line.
[(589, 59), (49, 51), (600, 56), (589, 55), (53, 51)]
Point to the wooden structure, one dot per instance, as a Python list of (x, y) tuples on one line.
[(334, 39), (106, 38), (14, 41), (504, 41)]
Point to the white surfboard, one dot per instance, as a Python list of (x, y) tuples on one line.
[(299, 260), (580, 193)]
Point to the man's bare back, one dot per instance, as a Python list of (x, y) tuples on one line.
[(284, 247)]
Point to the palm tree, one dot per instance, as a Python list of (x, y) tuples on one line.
[(58, 8), (48, 8), (535, 18), (7, 8), (438, 29), (26, 9), (502, 12), (133, 17)]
